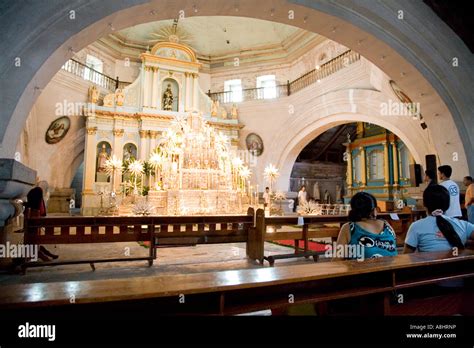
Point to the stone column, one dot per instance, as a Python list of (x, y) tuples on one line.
[(117, 151), (91, 158), (187, 94), (386, 164), (153, 136), (143, 151), (363, 164), (154, 88), (147, 88), (395, 163), (195, 92), (349, 167)]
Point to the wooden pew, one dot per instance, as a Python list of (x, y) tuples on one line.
[(157, 230), (241, 291), (270, 229)]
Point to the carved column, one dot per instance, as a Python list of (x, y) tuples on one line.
[(349, 166), (188, 89), (195, 92), (363, 164), (117, 151), (395, 163), (386, 164), (153, 136), (91, 159), (154, 88), (143, 151), (147, 87)]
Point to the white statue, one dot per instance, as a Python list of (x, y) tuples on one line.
[(338, 194), (316, 192), (233, 112), (327, 197), (93, 94), (102, 158), (214, 108), (119, 97)]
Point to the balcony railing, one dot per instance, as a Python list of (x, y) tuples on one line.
[(313, 76), (89, 74)]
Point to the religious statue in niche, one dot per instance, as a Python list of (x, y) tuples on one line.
[(101, 159), (93, 94), (57, 130), (168, 99), (254, 144), (119, 97), (129, 153)]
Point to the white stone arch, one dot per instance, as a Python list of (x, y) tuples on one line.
[(336, 109), (416, 54)]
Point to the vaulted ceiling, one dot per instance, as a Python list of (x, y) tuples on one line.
[(216, 37)]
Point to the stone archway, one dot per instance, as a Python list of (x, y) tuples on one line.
[(336, 110), (416, 52)]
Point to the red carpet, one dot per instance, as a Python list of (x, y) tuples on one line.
[(313, 246)]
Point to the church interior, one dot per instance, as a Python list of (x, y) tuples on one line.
[(204, 158)]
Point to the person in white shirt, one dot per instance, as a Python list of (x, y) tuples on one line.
[(266, 197), (444, 174), (302, 195)]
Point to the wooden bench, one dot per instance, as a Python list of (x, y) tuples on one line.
[(241, 291), (272, 229), (156, 230)]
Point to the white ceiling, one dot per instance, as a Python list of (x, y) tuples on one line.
[(208, 35)]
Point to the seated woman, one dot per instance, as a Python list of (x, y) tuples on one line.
[(437, 232), (375, 236), (35, 207)]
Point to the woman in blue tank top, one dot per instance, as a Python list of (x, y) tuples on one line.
[(373, 237)]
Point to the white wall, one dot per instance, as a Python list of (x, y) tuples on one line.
[(55, 163)]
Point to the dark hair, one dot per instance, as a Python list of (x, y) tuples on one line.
[(362, 206), (437, 197), (430, 173), (267, 188), (468, 178), (446, 170), (34, 198)]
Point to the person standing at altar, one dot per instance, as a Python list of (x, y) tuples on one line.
[(266, 197), (302, 196)]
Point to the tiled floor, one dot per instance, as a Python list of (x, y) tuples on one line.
[(172, 260)]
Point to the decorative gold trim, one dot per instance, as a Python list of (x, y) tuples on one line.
[(91, 130), (149, 59), (118, 132), (154, 134), (177, 46), (144, 134)]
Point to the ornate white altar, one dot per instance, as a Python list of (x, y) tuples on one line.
[(135, 121)]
